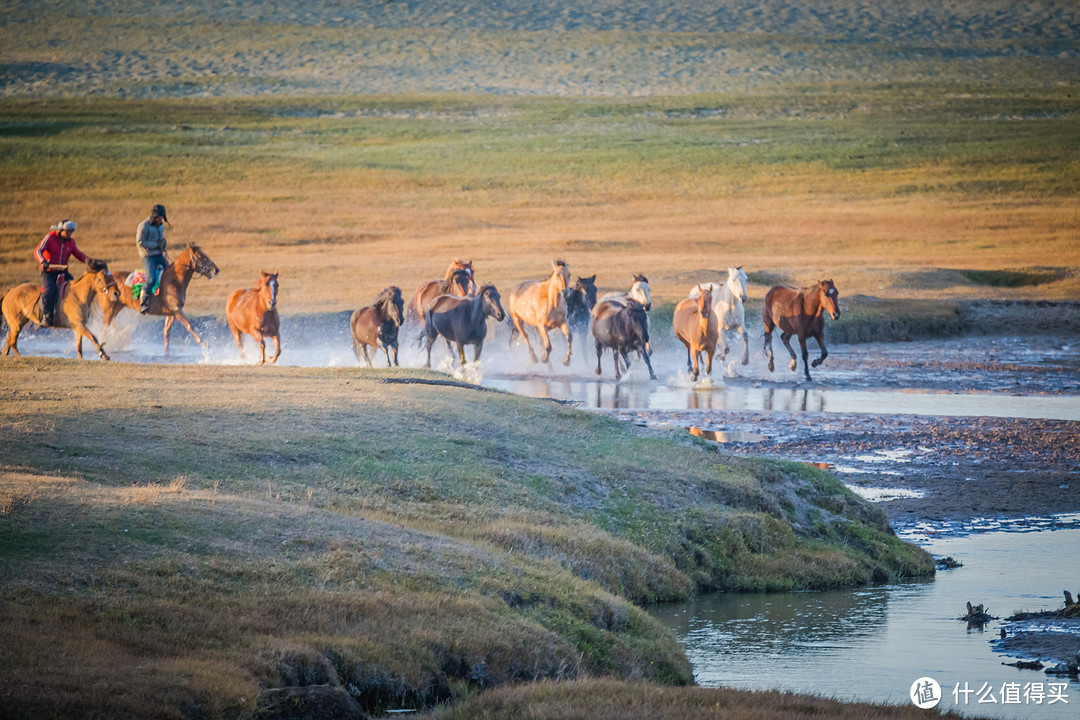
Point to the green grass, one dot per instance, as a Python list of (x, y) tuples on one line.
[(409, 542)]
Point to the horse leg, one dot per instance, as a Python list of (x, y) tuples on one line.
[(805, 355), (262, 348), (566, 331), (461, 354), (187, 325), (430, 342), (367, 357), (476, 353), (599, 354), (524, 336), (786, 337), (546, 340), (768, 348), (648, 364), (824, 353), (277, 348), (745, 345), (237, 337), (169, 320), (395, 357), (615, 356), (697, 364), (708, 360)]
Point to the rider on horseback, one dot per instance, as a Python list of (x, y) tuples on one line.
[(150, 240), (52, 255)]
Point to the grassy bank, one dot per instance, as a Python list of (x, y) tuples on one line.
[(187, 536)]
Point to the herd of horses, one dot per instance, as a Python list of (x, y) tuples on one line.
[(456, 309)]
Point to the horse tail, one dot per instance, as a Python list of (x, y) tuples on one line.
[(3, 318), (766, 311)]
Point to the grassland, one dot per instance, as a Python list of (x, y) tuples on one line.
[(406, 542), (914, 191)]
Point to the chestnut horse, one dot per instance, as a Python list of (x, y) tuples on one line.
[(542, 304), (377, 325), (580, 300), (462, 320), (457, 281), (21, 305), (622, 325), (696, 326), (255, 312), (799, 312), (172, 291), (728, 304)]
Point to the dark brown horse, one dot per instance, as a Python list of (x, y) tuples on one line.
[(457, 281), (21, 305), (622, 325), (255, 312), (800, 312), (377, 325), (462, 320), (580, 300), (172, 292)]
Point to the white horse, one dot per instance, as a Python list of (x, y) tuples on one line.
[(728, 299), (639, 292)]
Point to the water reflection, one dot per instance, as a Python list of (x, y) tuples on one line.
[(645, 395), (872, 643)]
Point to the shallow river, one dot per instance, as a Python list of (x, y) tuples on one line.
[(871, 644)]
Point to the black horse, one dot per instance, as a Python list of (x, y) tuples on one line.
[(462, 320), (622, 326), (580, 300), (377, 325)]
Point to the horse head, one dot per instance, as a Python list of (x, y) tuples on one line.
[(586, 288), (268, 285), (492, 302), (390, 305), (640, 291), (459, 283), (104, 282), (560, 275), (736, 283), (201, 262), (830, 297), (704, 299)]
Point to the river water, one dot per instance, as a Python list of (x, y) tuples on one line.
[(871, 644)]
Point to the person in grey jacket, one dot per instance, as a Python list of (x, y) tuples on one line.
[(150, 239)]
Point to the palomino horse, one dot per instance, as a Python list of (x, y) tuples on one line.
[(622, 325), (799, 312), (542, 304), (457, 281), (696, 326), (639, 292), (728, 304), (462, 320), (377, 325), (255, 312), (21, 305), (172, 292)]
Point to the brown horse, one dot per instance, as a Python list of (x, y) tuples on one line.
[(542, 304), (462, 320), (377, 325), (621, 324), (21, 305), (172, 292), (799, 312), (457, 281), (255, 312), (696, 326)]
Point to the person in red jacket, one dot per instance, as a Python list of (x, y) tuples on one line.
[(52, 254)]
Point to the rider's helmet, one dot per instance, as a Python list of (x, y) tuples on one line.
[(159, 211), (66, 225)]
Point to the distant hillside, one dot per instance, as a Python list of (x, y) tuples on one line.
[(549, 47)]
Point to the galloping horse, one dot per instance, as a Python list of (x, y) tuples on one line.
[(622, 325), (542, 304), (799, 312), (462, 320), (377, 325), (255, 312), (696, 326), (728, 304), (172, 292), (457, 281), (638, 292), (580, 300), (20, 305)]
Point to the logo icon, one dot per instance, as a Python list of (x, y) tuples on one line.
[(925, 693)]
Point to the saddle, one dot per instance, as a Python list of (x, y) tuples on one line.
[(136, 280)]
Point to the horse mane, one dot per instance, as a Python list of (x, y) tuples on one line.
[(444, 287), (640, 278), (386, 297)]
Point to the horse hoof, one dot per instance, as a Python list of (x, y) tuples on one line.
[(793, 365), (770, 365)]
